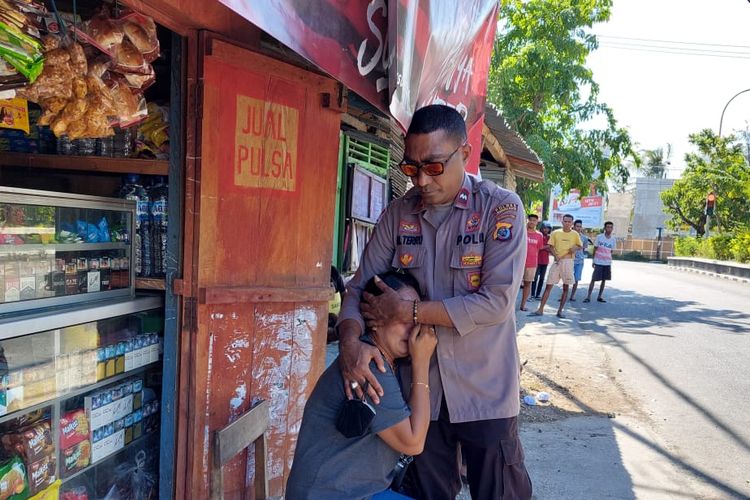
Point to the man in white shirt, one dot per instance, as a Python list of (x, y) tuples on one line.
[(603, 246)]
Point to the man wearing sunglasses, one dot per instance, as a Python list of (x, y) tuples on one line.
[(464, 241)]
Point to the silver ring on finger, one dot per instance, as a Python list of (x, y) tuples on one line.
[(354, 385)]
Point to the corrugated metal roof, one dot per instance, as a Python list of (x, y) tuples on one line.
[(521, 156)]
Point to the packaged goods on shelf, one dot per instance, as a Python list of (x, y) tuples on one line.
[(86, 97), (75, 458), (42, 473), (14, 482), (14, 114), (51, 492), (32, 443), (20, 46), (74, 428)]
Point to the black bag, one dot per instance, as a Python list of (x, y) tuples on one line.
[(355, 416)]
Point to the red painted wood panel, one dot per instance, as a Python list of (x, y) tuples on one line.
[(263, 221)]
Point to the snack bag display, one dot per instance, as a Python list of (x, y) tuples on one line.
[(41, 474), (13, 480), (32, 443), (14, 114), (74, 428), (76, 458), (52, 492)]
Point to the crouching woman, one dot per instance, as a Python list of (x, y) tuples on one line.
[(328, 465)]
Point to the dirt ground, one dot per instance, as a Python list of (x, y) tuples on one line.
[(573, 370)]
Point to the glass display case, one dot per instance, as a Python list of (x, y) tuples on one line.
[(79, 397), (60, 248)]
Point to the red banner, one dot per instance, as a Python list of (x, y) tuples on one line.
[(442, 56), (345, 38), (400, 54)]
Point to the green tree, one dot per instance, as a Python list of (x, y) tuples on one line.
[(718, 166), (539, 79), (654, 162)]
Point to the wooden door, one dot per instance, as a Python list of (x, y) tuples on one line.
[(265, 189)]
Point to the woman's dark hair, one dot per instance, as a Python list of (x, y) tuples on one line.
[(393, 279)]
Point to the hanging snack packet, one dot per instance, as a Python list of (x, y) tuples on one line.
[(22, 52), (141, 31), (14, 114), (103, 33)]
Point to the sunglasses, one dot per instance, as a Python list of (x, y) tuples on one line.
[(431, 168)]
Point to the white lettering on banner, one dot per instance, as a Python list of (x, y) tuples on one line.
[(462, 74), (460, 107), (381, 53)]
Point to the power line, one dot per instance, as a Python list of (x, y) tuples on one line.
[(675, 42), (672, 47), (664, 50), (681, 49)]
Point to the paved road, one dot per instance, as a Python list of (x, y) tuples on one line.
[(682, 341)]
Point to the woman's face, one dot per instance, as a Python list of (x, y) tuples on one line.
[(394, 337)]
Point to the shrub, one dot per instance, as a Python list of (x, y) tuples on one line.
[(722, 246), (740, 247), (633, 256), (686, 246)]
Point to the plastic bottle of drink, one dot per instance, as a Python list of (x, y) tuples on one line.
[(133, 190), (158, 194)]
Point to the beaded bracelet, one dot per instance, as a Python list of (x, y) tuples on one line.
[(415, 309)]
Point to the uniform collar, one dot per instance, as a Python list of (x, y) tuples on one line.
[(462, 199)]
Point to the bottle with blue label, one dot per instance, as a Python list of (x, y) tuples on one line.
[(158, 194), (133, 190)]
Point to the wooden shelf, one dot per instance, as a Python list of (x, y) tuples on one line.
[(150, 284), (86, 163)]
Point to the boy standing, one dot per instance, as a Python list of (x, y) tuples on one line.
[(603, 246)]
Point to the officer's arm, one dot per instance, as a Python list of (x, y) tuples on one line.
[(376, 259), (502, 270)]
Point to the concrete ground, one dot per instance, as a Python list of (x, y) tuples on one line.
[(647, 390)]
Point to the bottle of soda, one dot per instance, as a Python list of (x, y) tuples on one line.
[(133, 190), (158, 195)]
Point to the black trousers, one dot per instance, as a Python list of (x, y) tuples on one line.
[(538, 283), (494, 461)]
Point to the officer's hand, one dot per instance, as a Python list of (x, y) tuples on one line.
[(354, 361), (385, 308)]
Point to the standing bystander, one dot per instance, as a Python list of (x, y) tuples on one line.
[(563, 244), (534, 243), (603, 246), (541, 268), (579, 258)]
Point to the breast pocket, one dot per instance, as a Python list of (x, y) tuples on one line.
[(408, 257), (466, 267)]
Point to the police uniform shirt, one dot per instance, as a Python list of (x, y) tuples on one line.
[(473, 262)]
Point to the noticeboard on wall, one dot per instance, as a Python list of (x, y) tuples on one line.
[(368, 195)]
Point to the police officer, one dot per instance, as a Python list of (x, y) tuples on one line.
[(464, 241)]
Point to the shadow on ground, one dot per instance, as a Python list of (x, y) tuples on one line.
[(642, 315)]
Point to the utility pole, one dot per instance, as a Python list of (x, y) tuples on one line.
[(658, 243)]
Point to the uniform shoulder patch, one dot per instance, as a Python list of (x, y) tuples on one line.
[(503, 231)]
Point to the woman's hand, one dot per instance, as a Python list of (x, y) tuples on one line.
[(422, 343)]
